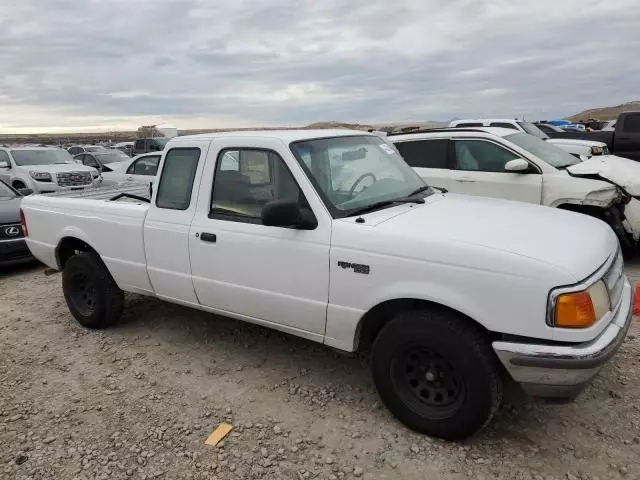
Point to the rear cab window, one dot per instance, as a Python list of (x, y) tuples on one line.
[(631, 124), (176, 181)]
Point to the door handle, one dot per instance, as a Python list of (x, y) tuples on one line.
[(465, 180), (208, 237)]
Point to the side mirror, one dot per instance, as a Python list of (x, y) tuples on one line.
[(517, 165), (25, 191), (5, 165), (287, 214)]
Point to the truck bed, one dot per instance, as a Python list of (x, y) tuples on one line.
[(105, 193), (114, 229)]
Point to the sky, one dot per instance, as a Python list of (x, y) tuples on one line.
[(99, 65)]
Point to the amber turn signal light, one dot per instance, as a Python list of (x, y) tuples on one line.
[(574, 310)]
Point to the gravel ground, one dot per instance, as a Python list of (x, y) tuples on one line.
[(138, 401)]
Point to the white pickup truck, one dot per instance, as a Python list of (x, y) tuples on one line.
[(448, 291)]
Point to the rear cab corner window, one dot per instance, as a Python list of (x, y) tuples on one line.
[(246, 180), (176, 181)]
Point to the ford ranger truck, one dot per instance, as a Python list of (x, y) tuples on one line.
[(448, 292)]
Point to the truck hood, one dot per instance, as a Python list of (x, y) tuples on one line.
[(569, 141), (59, 167), (622, 172), (573, 243)]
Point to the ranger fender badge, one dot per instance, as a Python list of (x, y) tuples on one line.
[(357, 268)]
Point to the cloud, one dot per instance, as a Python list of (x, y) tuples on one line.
[(75, 64)]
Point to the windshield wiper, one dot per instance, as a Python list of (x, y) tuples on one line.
[(385, 203), (424, 188)]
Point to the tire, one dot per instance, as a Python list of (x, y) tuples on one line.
[(436, 373), (91, 294)]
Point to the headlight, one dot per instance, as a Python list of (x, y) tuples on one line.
[(597, 151), (40, 176), (581, 309)]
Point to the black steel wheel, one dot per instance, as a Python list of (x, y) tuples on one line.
[(91, 294), (426, 379), (436, 373), (83, 294)]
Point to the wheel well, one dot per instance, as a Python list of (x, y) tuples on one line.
[(375, 319), (68, 247), (17, 183), (585, 209)]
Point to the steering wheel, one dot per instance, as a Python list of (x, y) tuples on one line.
[(357, 182)]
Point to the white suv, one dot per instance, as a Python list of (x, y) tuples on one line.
[(45, 170), (583, 149), (503, 163)]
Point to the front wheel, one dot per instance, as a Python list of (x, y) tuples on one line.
[(91, 294), (436, 373)]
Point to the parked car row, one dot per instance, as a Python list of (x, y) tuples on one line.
[(579, 148), (332, 236), (503, 163), (623, 140)]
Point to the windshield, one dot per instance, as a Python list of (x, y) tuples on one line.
[(110, 157), (6, 192), (352, 173), (41, 157), (531, 129), (548, 152)]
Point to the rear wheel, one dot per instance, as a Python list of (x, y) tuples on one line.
[(91, 294), (436, 373)]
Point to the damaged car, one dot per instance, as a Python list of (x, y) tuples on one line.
[(498, 162)]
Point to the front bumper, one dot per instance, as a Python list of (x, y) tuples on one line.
[(14, 252), (562, 371)]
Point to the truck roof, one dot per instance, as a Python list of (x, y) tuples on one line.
[(284, 135)]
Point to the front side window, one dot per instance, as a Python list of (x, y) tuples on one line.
[(110, 157), (176, 181), (248, 179), (424, 153), (352, 173), (481, 156), (5, 191), (144, 166), (545, 151), (41, 157), (90, 161)]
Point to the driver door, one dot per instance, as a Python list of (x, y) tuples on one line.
[(270, 275), (478, 169)]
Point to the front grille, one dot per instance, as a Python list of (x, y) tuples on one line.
[(73, 179), (614, 280), (10, 231)]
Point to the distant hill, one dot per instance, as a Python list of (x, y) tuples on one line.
[(606, 113)]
